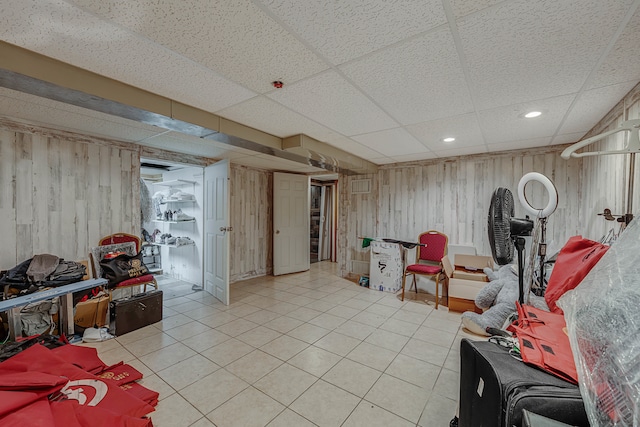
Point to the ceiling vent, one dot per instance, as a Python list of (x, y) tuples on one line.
[(361, 186)]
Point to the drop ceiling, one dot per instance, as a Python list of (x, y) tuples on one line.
[(384, 80)]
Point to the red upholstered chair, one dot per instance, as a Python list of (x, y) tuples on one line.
[(112, 239), (127, 243), (428, 259)]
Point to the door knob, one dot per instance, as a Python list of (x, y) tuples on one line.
[(277, 231), (223, 229)]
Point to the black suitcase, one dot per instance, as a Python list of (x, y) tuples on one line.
[(135, 312), (495, 388), (531, 419)]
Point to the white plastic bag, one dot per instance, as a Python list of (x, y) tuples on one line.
[(603, 323)]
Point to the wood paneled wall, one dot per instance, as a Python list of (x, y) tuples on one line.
[(60, 192), (453, 196), (357, 217), (251, 192)]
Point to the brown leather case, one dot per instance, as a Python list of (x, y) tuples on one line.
[(135, 312)]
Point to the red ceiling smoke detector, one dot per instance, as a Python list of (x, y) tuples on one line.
[(277, 84)]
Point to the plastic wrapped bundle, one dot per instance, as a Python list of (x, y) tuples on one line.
[(604, 330)]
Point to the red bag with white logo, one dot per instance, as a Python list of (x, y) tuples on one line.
[(86, 392), (544, 342), (120, 374)]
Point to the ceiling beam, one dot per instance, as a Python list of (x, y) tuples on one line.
[(39, 75)]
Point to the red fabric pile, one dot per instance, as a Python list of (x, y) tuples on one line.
[(70, 386)]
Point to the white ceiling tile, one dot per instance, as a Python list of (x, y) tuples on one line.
[(354, 147), (269, 116), (56, 29), (342, 30), (401, 69), (525, 50), (35, 23), (592, 106), (331, 100), (391, 142), (464, 128), (415, 81), (517, 145), (462, 151), (622, 62), (466, 7), (506, 124), (567, 138), (233, 37)]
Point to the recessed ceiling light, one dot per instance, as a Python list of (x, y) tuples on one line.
[(448, 140), (532, 114)]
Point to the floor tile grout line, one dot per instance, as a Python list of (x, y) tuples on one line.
[(231, 373), (378, 327)]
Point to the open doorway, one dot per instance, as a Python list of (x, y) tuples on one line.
[(172, 217), (323, 213)]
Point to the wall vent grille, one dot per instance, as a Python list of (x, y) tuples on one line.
[(361, 186)]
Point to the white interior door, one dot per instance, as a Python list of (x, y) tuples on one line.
[(326, 225), (290, 223), (322, 231), (216, 230)]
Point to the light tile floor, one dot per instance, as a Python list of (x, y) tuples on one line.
[(297, 350)]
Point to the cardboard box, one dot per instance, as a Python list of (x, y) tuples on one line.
[(386, 266), (91, 312), (470, 267), (466, 278), (461, 305)]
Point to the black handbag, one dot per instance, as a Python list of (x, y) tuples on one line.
[(123, 267)]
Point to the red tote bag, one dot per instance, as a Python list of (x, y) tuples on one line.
[(575, 260), (544, 342)]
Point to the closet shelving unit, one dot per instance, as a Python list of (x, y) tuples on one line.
[(175, 246), (169, 203)]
